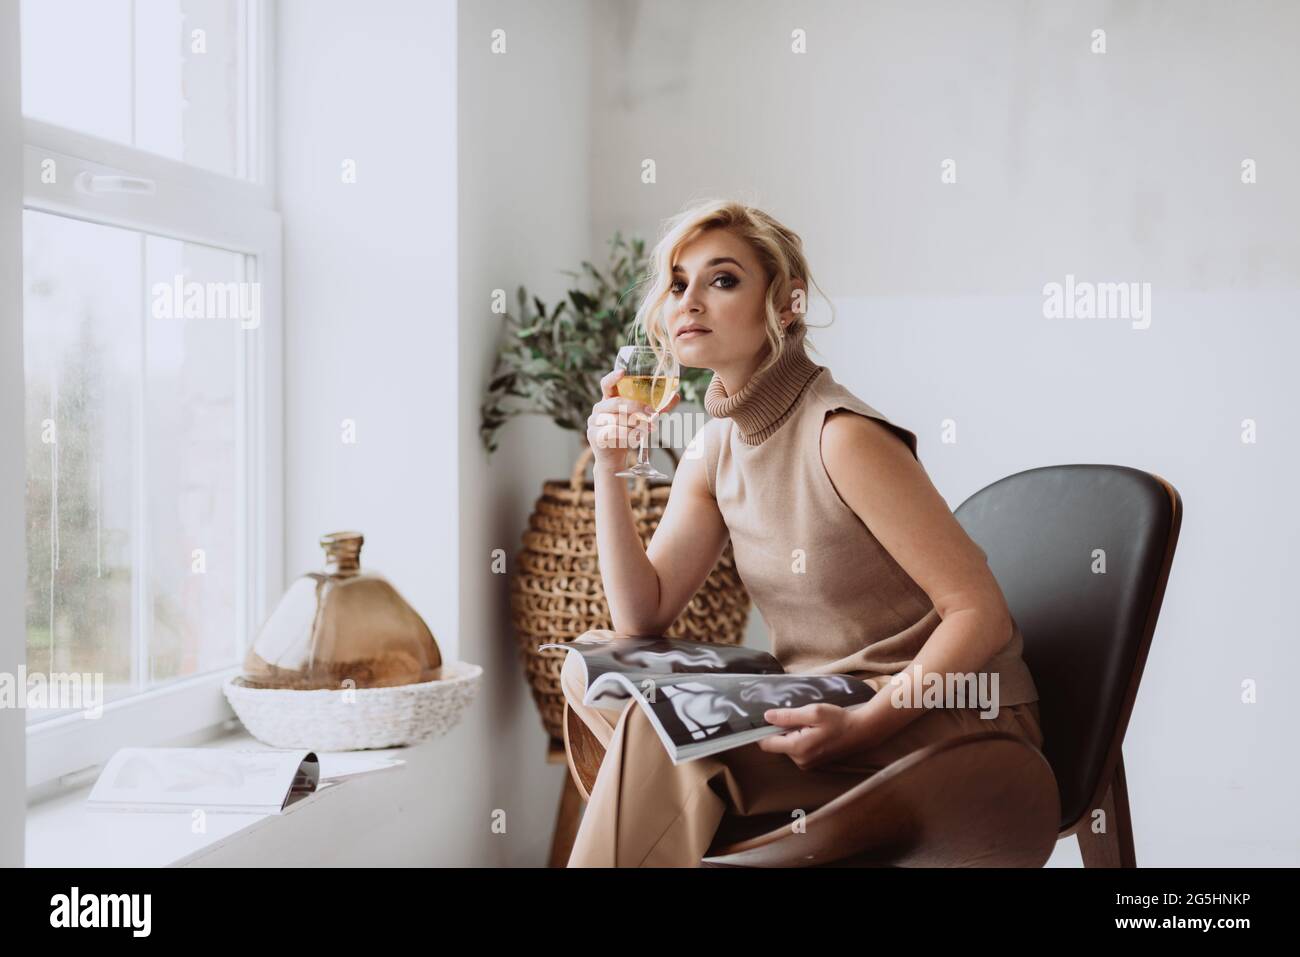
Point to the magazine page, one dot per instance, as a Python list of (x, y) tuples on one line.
[(216, 779), (641, 656), (702, 714), (338, 765)]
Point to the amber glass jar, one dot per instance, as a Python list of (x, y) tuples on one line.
[(342, 628)]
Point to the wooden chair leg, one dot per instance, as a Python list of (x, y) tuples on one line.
[(567, 819), (1114, 847)]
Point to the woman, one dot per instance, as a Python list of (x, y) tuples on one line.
[(851, 555)]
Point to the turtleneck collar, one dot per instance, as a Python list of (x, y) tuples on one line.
[(768, 398)]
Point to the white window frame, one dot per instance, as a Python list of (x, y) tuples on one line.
[(192, 205)]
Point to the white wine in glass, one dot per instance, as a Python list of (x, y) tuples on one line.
[(650, 379)]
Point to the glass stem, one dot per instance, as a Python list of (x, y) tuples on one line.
[(643, 453)]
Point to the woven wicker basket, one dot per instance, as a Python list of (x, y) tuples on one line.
[(340, 719), (556, 593)]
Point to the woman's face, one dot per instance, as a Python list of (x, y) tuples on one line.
[(718, 287)]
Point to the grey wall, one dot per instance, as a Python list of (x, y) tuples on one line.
[(1123, 166)]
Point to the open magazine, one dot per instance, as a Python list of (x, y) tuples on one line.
[(221, 780), (701, 698)]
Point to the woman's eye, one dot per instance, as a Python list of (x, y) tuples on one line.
[(730, 282)]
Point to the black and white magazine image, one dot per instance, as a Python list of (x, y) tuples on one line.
[(700, 709)]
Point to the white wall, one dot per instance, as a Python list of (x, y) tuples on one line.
[(371, 335), (525, 214), (1116, 167), (13, 523), (387, 297)]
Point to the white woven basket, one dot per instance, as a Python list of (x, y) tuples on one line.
[(353, 719)]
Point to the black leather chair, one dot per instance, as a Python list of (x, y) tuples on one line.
[(1083, 554), (1087, 633)]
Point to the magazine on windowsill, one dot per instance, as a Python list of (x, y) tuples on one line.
[(215, 779), (701, 698), (223, 780)]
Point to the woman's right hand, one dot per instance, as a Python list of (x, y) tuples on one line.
[(616, 424)]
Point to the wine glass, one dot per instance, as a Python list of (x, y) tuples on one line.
[(650, 379)]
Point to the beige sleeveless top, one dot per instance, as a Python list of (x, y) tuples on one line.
[(834, 599)]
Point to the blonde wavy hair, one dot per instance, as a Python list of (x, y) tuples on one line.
[(777, 247)]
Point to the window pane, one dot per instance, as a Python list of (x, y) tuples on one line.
[(167, 76), (81, 332), (192, 367), (95, 97), (133, 368)]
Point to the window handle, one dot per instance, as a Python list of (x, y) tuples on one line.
[(89, 182)]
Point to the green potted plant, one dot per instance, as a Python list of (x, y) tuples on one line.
[(550, 363), (552, 360)]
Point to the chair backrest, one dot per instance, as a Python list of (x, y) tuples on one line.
[(1046, 532)]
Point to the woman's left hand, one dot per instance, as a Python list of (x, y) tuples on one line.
[(821, 733)]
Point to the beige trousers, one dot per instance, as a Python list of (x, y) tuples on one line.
[(645, 811)]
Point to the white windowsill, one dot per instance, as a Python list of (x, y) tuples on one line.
[(62, 832), (68, 746)]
